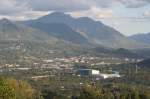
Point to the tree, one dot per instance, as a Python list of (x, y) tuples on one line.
[(14, 89), (22, 89), (89, 92), (6, 91), (135, 94), (145, 95)]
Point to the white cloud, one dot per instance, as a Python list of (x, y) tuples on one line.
[(94, 12), (74, 5), (25, 9), (60, 5), (11, 7), (134, 3), (25, 15), (146, 14), (18, 10)]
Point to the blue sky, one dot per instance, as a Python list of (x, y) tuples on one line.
[(130, 20), (127, 16)]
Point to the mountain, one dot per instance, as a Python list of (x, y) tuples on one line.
[(143, 52), (144, 38), (12, 31), (94, 31), (33, 42), (60, 31), (121, 52), (144, 63)]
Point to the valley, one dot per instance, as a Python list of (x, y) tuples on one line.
[(62, 57)]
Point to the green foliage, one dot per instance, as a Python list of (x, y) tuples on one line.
[(13, 89), (6, 91), (145, 95), (22, 89), (91, 92)]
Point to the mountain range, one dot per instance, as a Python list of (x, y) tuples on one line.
[(144, 63), (12, 31), (144, 37), (82, 31), (60, 31), (59, 27), (63, 32)]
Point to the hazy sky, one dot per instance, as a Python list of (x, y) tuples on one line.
[(127, 16)]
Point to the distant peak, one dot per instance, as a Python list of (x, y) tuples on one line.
[(59, 14), (56, 16), (5, 21), (88, 19), (85, 18)]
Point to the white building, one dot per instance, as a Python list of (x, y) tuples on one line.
[(105, 76), (87, 72), (95, 72)]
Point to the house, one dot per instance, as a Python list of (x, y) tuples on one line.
[(87, 72)]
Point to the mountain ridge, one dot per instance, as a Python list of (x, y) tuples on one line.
[(145, 63), (142, 37), (61, 31), (13, 31), (95, 31)]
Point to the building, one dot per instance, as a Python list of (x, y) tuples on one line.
[(87, 72), (105, 76)]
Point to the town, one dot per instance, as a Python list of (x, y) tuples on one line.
[(83, 65)]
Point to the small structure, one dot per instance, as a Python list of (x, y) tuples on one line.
[(105, 76), (96, 74), (39, 77), (88, 72)]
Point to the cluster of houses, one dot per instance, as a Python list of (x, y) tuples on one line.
[(67, 63), (92, 73)]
